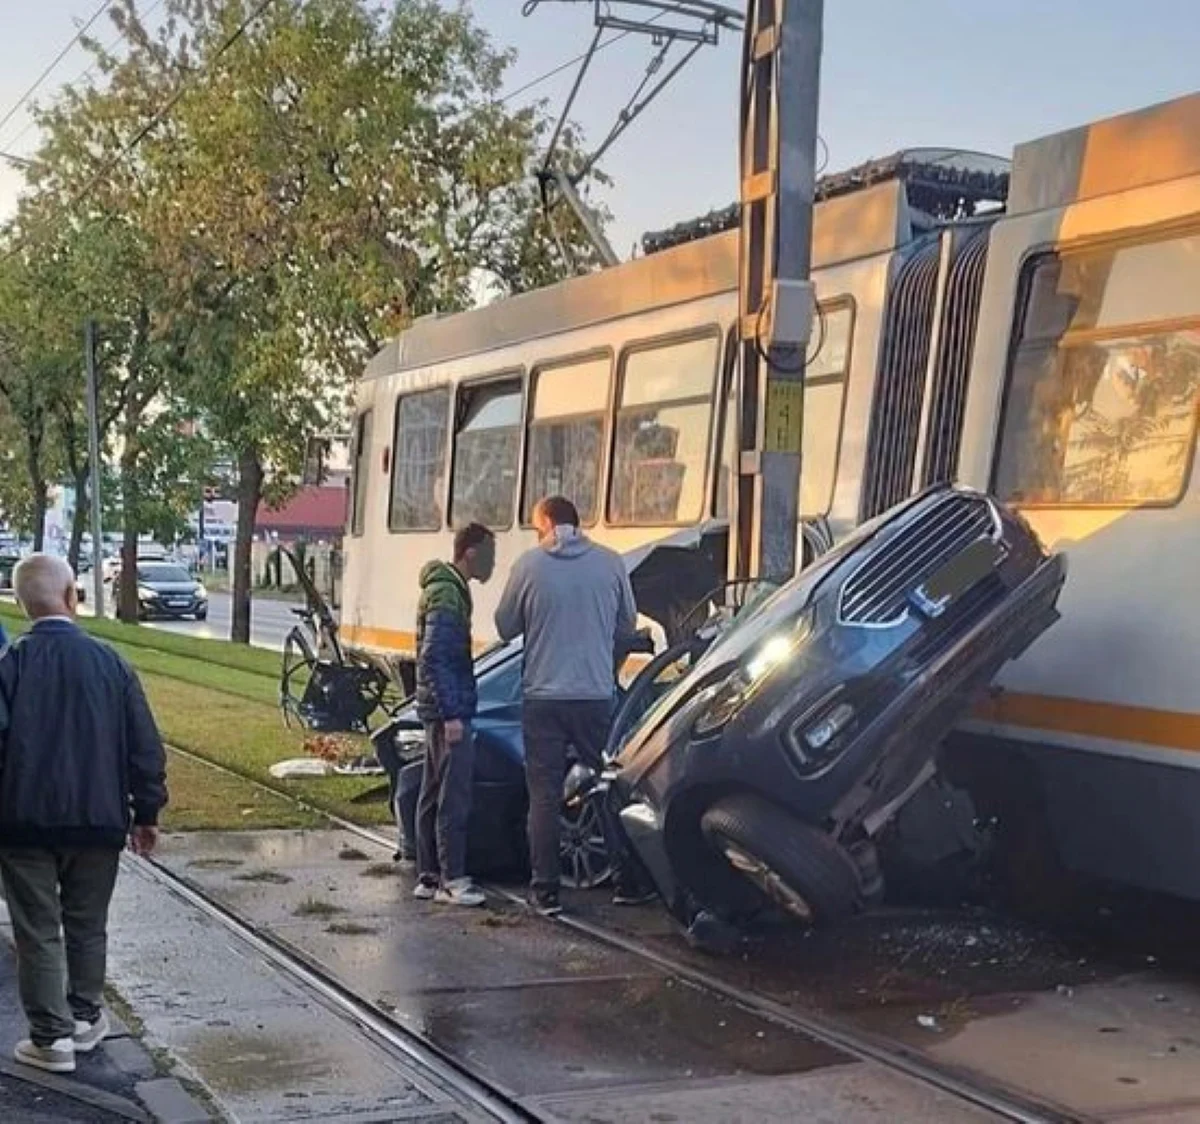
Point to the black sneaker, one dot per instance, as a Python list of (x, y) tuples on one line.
[(545, 902)]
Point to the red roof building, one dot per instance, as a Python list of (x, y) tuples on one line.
[(311, 513)]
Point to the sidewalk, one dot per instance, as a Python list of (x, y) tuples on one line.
[(103, 1088)]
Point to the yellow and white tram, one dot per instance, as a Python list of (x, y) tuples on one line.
[(1047, 348)]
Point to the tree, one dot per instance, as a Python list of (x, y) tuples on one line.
[(341, 170)]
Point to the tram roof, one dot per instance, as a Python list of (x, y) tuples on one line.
[(873, 220)]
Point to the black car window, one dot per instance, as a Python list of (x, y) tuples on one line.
[(171, 574)]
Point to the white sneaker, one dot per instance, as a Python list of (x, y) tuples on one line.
[(461, 891), (425, 891), (58, 1057), (89, 1035)]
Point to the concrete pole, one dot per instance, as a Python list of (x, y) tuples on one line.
[(781, 68)]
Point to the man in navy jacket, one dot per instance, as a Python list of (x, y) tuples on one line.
[(82, 770), (446, 704)]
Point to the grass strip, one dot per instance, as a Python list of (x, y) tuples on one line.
[(236, 657), (203, 799), (248, 738)]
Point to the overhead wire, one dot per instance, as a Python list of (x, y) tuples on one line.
[(24, 98), (158, 117), (32, 122)]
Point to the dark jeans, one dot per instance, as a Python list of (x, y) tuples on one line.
[(445, 804), (58, 901), (551, 727)]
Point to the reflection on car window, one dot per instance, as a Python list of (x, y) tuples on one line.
[(163, 574), (487, 442), (1105, 378), (566, 435), (661, 444), (418, 461)]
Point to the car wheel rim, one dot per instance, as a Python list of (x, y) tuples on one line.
[(584, 852), (768, 881)]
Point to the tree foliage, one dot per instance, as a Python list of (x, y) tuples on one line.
[(327, 171)]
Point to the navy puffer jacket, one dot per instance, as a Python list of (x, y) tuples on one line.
[(445, 666)]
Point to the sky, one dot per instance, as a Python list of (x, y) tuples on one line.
[(895, 74)]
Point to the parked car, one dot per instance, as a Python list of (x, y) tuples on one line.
[(166, 590), (755, 761)]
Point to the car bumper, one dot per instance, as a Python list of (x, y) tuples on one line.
[(160, 608)]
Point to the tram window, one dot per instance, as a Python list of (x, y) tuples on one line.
[(566, 435), (419, 461), (1105, 378), (661, 443), (360, 471), (824, 400), (487, 442)]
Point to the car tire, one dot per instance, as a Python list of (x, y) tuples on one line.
[(796, 867), (202, 615)]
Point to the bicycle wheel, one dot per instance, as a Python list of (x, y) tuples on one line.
[(299, 660)]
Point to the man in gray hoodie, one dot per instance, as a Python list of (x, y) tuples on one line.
[(572, 601)]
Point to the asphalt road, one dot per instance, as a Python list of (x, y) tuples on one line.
[(270, 621)]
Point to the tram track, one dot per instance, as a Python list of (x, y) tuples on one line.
[(965, 1086)]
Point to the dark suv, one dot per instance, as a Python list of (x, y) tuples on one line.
[(773, 762)]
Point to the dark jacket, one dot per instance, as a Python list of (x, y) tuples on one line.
[(80, 755), (445, 667)]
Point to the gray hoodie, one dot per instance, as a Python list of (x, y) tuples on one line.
[(572, 601)]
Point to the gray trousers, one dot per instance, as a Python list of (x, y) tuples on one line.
[(58, 901), (445, 804)]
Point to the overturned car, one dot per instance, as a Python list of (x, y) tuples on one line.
[(758, 757)]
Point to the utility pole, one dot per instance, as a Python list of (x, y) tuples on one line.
[(781, 70), (93, 419)]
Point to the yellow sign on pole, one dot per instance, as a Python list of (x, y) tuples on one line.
[(785, 416)]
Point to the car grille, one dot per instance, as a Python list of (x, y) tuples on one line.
[(876, 594)]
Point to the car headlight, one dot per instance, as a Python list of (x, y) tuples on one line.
[(201, 593), (726, 699), (147, 594)]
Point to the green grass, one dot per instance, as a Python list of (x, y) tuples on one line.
[(236, 657), (248, 737), (203, 799)]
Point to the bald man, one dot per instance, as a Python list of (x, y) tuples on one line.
[(82, 770)]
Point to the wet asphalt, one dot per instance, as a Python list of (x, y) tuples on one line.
[(581, 1030)]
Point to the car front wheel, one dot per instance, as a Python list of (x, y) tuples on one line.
[(202, 614), (795, 866)]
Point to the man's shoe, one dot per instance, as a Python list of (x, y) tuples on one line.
[(426, 889), (546, 902), (89, 1035), (461, 891), (58, 1057)]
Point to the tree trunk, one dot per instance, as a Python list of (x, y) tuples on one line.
[(80, 520), (40, 503), (249, 494), (127, 608), (38, 499)]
